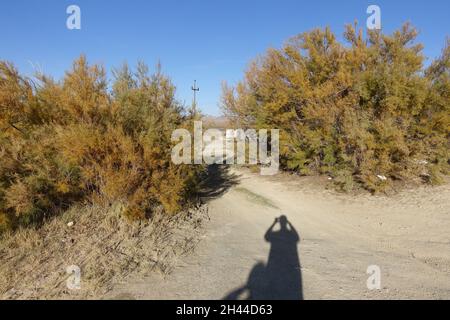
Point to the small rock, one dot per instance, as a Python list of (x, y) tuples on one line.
[(70, 224), (382, 178)]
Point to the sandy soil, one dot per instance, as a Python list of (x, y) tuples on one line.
[(407, 235)]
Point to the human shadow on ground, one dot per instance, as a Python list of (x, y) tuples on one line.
[(280, 278)]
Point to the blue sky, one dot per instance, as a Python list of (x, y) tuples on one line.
[(207, 40)]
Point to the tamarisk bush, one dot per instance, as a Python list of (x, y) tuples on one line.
[(73, 141), (366, 112)]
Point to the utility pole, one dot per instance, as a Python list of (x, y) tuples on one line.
[(195, 89)]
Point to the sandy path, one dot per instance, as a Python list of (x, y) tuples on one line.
[(407, 236)]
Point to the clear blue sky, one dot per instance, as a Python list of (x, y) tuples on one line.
[(207, 40)]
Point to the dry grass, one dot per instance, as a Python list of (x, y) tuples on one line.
[(105, 245)]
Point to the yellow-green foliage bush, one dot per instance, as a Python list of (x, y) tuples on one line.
[(356, 111), (74, 141)]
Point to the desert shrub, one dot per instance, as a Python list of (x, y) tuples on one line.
[(366, 112), (71, 141)]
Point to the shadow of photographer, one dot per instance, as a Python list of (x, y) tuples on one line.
[(280, 278)]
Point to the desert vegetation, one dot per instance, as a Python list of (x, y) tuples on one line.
[(86, 177), (81, 141), (366, 112)]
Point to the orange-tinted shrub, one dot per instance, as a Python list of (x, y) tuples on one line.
[(72, 141)]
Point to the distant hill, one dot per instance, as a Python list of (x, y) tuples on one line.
[(219, 122)]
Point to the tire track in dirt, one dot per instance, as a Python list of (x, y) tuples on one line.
[(340, 236)]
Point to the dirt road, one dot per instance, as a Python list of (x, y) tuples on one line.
[(339, 236)]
